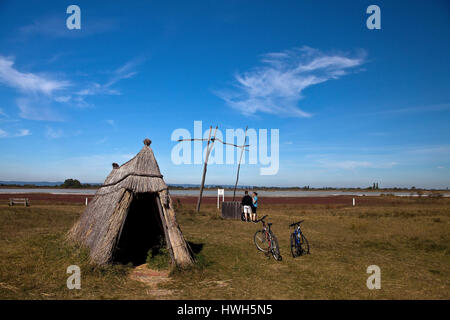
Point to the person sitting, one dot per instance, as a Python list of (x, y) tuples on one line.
[(247, 203)]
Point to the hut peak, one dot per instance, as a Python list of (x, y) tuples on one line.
[(147, 142)]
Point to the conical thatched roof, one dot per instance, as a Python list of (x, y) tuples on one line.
[(100, 225), (140, 174)]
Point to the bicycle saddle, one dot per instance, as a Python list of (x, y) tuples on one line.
[(296, 223)]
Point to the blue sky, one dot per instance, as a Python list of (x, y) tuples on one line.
[(353, 106)]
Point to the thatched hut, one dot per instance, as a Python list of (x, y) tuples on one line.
[(129, 214)]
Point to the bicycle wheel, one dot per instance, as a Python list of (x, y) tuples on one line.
[(260, 241), (275, 248), (304, 245), (293, 246)]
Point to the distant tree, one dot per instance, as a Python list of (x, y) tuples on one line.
[(71, 183)]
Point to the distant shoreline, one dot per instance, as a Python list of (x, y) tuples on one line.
[(256, 188)]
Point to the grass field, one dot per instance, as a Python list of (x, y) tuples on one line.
[(408, 238)]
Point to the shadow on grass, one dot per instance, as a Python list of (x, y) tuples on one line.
[(195, 247), (201, 262)]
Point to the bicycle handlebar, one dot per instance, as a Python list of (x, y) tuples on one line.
[(296, 223), (261, 219)]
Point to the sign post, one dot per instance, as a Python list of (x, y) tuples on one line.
[(220, 192)]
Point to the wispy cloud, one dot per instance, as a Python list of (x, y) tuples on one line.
[(52, 133), (63, 98), (351, 164), (4, 117), (124, 72), (276, 86), (20, 133), (440, 149), (41, 94), (23, 133), (28, 82), (111, 122), (37, 91), (37, 109)]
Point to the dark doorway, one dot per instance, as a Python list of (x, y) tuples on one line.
[(141, 231)]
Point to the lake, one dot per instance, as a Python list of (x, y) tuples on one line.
[(213, 193)]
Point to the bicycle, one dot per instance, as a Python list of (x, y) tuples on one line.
[(266, 241), (299, 243)]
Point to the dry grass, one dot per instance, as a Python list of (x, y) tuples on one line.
[(407, 238)]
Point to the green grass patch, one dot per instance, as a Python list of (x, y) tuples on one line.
[(158, 256)]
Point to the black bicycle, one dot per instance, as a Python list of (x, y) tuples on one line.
[(299, 243), (266, 241)]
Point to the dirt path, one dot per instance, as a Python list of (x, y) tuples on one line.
[(152, 278)]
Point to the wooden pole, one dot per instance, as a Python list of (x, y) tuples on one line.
[(208, 150), (239, 165)]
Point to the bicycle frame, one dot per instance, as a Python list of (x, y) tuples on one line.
[(266, 230), (298, 235), (298, 240)]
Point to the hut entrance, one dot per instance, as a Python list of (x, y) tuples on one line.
[(141, 231)]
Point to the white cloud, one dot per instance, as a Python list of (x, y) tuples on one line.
[(111, 122), (40, 93), (28, 82), (96, 89), (20, 133), (23, 133), (276, 86)]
